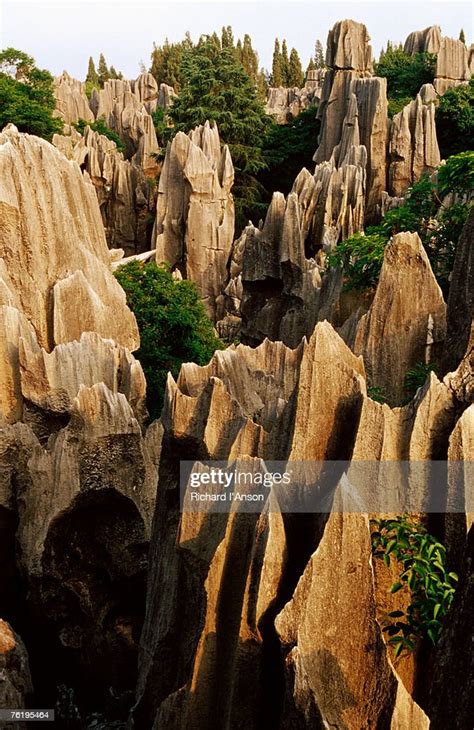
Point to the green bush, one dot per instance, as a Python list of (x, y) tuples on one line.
[(455, 120), (424, 574), (27, 95), (101, 127), (416, 378), (173, 324), (405, 74), (439, 228)]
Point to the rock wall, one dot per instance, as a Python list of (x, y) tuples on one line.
[(126, 197), (452, 57), (72, 449), (285, 104), (71, 100), (283, 622), (194, 224)]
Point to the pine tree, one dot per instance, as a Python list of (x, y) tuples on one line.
[(277, 73), (103, 71), (227, 37), (249, 59), (319, 55), (285, 64), (92, 77), (462, 36), (311, 66), (295, 75)]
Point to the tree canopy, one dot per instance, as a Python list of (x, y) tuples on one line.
[(405, 74), (27, 95), (455, 119), (174, 327)]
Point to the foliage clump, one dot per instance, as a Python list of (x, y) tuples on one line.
[(439, 226), (174, 327), (27, 95), (101, 127), (405, 74), (424, 576), (455, 120)]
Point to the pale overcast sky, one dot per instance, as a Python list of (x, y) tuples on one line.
[(62, 35)]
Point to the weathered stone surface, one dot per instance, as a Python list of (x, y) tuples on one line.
[(460, 310), (52, 380), (348, 47), (413, 148), (125, 196), (166, 94), (195, 211), (452, 65), (124, 106), (15, 679), (399, 330), (53, 253), (71, 100), (284, 104), (424, 41), (352, 687), (145, 89)]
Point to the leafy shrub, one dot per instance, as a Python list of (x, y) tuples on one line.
[(455, 120), (361, 258), (439, 228), (457, 175), (101, 127), (405, 74), (377, 393), (27, 95), (173, 324), (416, 377), (423, 573)]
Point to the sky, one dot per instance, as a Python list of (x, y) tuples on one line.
[(62, 35)]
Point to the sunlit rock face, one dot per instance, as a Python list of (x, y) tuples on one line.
[(77, 472), (194, 225)]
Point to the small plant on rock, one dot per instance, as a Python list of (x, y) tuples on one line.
[(422, 562)]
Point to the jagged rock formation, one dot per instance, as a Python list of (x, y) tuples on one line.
[(353, 108), (194, 224), (275, 283), (452, 56), (285, 104), (71, 100), (62, 290), (241, 569), (126, 198), (460, 307), (399, 331), (166, 95), (124, 105), (15, 679), (413, 144), (71, 443)]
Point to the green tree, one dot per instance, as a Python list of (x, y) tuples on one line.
[(103, 71), (455, 120), (227, 37), (311, 66), (319, 55), (405, 74), (285, 63), (277, 77), (462, 36), (166, 62), (295, 73), (173, 324), (249, 59), (217, 88), (287, 149), (116, 74), (27, 95), (92, 77)]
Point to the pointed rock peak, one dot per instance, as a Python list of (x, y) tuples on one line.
[(348, 47)]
